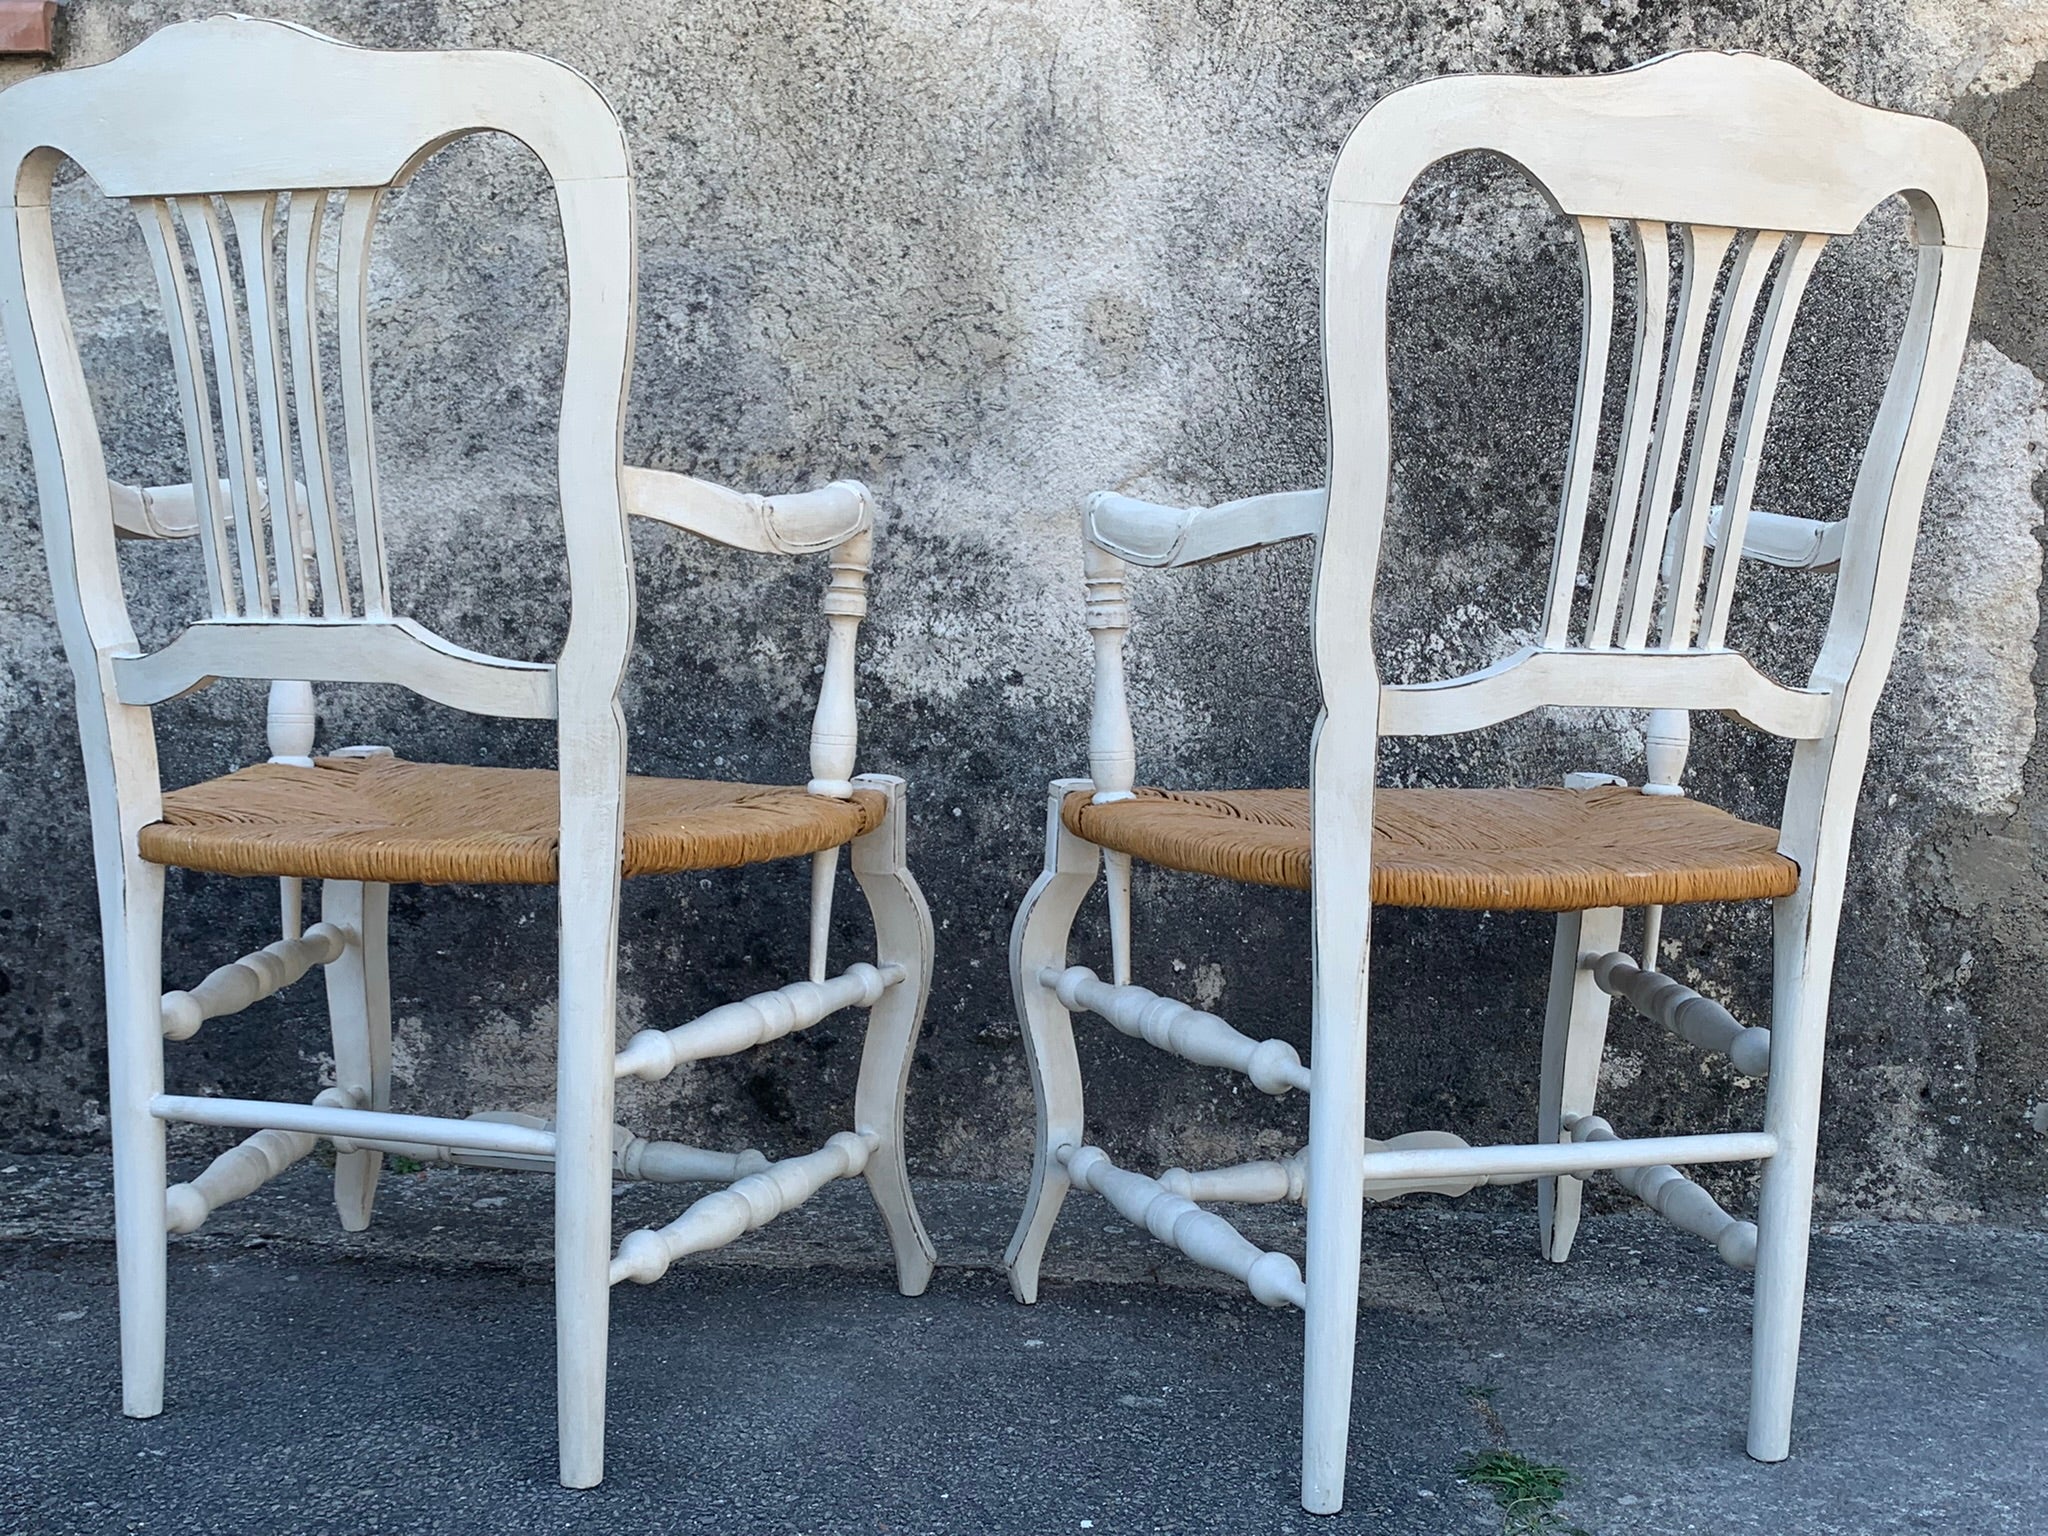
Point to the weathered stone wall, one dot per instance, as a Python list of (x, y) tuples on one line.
[(989, 258)]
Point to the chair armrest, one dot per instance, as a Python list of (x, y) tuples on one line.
[(838, 517), (1151, 533), (806, 523), (172, 511), (1793, 543), (153, 511)]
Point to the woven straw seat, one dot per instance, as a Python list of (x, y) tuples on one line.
[(1543, 850), (384, 819)]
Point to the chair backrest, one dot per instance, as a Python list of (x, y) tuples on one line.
[(276, 144), (1740, 169), (1736, 170)]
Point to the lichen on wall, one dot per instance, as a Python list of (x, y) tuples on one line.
[(1977, 589)]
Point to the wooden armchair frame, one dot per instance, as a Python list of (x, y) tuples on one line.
[(257, 133), (1730, 173)]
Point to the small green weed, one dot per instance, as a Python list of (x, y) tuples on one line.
[(1526, 1491)]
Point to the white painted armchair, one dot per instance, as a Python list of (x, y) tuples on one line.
[(1730, 173), (298, 594)]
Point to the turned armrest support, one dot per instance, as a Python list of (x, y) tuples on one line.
[(1121, 531), (805, 523), (1112, 748), (838, 518), (1151, 533), (835, 728)]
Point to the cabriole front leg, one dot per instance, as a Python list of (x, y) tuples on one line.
[(1038, 942), (359, 1010), (903, 937)]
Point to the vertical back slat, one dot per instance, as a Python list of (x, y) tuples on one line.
[(210, 254), (254, 215), (304, 216), (1754, 422), (1703, 249), (358, 218), (166, 256), (1652, 244), (1686, 544), (1596, 271)]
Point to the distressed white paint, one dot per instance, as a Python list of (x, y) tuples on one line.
[(1038, 942), (243, 1169), (1574, 1036), (834, 729), (1269, 1180), (1172, 1026), (1112, 747), (1148, 533), (239, 109), (347, 1124), (1727, 173), (359, 1018), (633, 1156), (806, 523), (903, 941)]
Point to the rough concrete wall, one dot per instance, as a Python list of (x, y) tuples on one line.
[(990, 258)]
